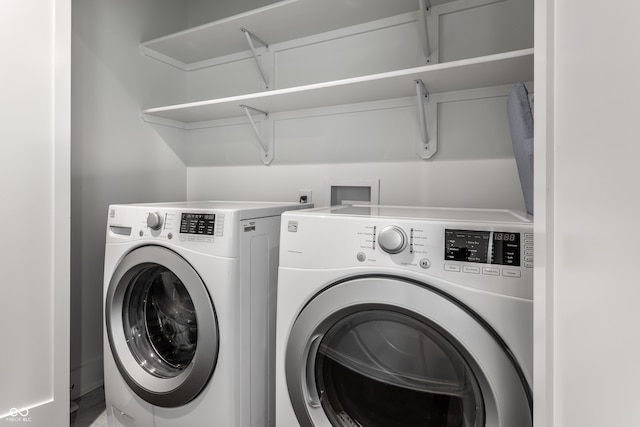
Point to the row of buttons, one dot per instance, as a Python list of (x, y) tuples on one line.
[(200, 239), (489, 271), (219, 225), (528, 250)]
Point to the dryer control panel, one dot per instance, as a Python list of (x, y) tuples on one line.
[(492, 255), (483, 247)]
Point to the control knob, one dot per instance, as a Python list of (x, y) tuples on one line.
[(392, 239), (154, 220)]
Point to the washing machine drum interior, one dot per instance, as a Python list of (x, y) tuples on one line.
[(381, 368), (161, 316), (162, 326)]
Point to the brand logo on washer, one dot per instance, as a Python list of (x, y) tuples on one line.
[(249, 227), (292, 227)]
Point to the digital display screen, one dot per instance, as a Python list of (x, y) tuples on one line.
[(484, 247), (196, 223)]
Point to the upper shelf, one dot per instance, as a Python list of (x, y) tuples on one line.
[(278, 22), (486, 71)]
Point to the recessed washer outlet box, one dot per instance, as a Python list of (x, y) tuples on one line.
[(305, 195), (354, 191)]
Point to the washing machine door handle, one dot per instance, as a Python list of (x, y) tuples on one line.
[(313, 399)]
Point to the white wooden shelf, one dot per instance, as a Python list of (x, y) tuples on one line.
[(233, 39), (487, 71), (278, 22)]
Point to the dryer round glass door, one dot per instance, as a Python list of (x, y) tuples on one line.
[(161, 326), (387, 351), (375, 356)]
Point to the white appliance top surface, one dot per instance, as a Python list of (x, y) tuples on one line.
[(218, 205), (424, 213), (245, 209)]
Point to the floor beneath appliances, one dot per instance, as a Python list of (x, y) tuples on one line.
[(92, 411)]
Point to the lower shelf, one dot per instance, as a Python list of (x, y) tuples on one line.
[(486, 71)]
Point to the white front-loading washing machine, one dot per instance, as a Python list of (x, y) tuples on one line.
[(190, 293), (400, 316)]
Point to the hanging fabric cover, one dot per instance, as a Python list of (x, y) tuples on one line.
[(521, 127)]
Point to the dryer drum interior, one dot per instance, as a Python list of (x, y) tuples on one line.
[(383, 368), (388, 351)]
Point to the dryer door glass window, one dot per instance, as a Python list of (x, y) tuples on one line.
[(160, 321), (383, 368)]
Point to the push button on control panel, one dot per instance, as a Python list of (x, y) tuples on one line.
[(510, 273), (491, 271)]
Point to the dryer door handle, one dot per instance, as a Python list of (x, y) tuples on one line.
[(313, 398)]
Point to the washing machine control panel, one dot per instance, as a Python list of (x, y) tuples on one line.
[(178, 226)]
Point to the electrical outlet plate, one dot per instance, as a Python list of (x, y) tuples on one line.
[(304, 196)]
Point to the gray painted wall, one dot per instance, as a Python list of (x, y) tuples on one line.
[(116, 157), (203, 11)]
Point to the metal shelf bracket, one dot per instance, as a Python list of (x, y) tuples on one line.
[(264, 135), (427, 147), (423, 11), (250, 37)]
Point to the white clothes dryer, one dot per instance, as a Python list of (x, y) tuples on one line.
[(404, 316), (190, 293)]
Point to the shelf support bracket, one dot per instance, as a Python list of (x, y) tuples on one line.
[(423, 11), (265, 138), (427, 147), (250, 37)]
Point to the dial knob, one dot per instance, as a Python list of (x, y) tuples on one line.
[(154, 220), (392, 239)]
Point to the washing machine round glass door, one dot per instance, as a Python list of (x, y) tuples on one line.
[(383, 351), (162, 326)]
